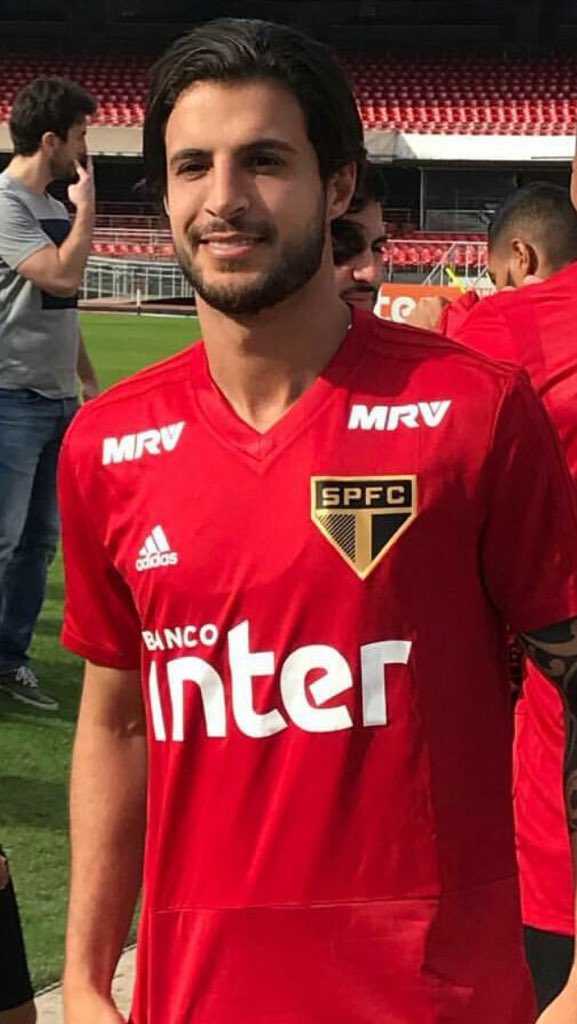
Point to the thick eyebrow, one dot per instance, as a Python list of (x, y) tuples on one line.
[(252, 147), (268, 143), (381, 240)]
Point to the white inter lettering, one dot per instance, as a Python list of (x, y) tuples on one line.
[(158, 726), (336, 679), (244, 666), (374, 659), (197, 671), (309, 705)]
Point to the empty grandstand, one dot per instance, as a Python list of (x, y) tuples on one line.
[(460, 102)]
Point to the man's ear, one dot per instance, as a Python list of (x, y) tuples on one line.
[(340, 189), (525, 256), (48, 142)]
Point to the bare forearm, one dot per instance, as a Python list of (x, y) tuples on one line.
[(108, 801), (84, 368), (554, 651), (75, 250)]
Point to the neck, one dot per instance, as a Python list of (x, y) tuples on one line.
[(265, 362), (30, 171)]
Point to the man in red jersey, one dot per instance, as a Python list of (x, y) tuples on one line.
[(291, 553), (533, 242)]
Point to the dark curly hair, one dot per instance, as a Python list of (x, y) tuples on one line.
[(47, 104)]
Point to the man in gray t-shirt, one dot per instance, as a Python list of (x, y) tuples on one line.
[(42, 260)]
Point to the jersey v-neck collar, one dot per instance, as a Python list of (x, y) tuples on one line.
[(224, 423)]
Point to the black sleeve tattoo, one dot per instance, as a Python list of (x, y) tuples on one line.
[(554, 651)]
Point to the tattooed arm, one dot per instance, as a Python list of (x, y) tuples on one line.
[(554, 651)]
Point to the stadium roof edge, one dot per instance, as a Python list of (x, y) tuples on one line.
[(105, 140)]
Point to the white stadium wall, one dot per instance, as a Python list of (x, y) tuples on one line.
[(106, 140)]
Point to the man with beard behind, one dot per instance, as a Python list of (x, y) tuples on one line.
[(42, 260), (358, 242)]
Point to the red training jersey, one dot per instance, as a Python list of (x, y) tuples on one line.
[(318, 613), (534, 326)]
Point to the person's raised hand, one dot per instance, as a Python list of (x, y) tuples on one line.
[(81, 194)]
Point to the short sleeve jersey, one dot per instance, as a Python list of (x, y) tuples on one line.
[(38, 331), (534, 327), (318, 613)]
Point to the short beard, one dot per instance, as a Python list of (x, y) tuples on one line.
[(57, 173), (297, 264)]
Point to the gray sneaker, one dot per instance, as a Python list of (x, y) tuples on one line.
[(23, 685)]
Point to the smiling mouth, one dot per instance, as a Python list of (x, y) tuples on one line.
[(230, 245)]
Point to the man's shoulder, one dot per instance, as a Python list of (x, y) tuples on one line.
[(424, 348), (14, 196), (509, 323), (9, 192), (532, 294), (134, 403)]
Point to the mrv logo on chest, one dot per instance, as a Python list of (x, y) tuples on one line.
[(391, 417)]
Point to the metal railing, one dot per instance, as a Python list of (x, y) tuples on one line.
[(471, 267), (146, 279), (133, 281)]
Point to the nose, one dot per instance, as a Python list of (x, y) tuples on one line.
[(367, 268), (226, 197)]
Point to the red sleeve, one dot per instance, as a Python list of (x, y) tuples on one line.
[(485, 330), (455, 313), (529, 535), (101, 623)]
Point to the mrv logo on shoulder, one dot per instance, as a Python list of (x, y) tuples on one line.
[(147, 442)]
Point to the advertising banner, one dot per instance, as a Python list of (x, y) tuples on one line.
[(397, 301)]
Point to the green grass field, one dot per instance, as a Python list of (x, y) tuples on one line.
[(36, 745)]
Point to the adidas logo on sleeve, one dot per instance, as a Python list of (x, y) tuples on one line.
[(155, 553)]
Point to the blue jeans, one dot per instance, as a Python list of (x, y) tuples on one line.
[(31, 432)]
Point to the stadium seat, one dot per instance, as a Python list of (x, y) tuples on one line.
[(441, 96)]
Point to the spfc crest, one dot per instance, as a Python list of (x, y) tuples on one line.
[(362, 517)]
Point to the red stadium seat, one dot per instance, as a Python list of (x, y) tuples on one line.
[(444, 95)]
